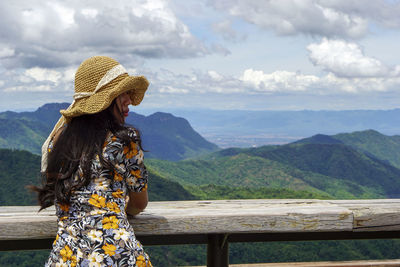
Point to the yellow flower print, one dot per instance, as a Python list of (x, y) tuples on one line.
[(132, 151), (141, 262), (97, 201), (118, 194), (64, 207), (112, 206), (118, 177), (55, 240), (136, 173), (66, 254), (109, 249), (110, 222)]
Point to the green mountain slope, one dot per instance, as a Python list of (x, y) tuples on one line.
[(244, 170), (17, 169), (379, 145), (164, 135), (340, 162), (371, 142)]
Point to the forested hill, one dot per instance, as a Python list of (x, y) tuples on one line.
[(371, 142), (320, 164), (168, 137), (164, 135)]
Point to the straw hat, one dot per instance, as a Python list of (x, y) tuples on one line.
[(98, 81)]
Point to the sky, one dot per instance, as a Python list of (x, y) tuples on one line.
[(200, 54)]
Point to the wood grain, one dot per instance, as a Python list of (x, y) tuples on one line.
[(226, 216)]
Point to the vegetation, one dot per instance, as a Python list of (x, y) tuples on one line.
[(208, 192), (356, 165), (371, 142)]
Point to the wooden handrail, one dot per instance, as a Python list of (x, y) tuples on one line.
[(219, 222)]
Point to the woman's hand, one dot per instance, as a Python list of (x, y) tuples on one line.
[(136, 202)]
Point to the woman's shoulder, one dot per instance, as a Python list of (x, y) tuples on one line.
[(123, 136), (132, 132)]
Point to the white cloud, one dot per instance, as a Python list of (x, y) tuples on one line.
[(68, 75), (41, 74), (346, 19), (90, 13), (215, 76), (173, 90), (30, 88), (278, 80), (255, 82), (58, 33), (345, 59)]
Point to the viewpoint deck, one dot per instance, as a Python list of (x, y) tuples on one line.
[(218, 222)]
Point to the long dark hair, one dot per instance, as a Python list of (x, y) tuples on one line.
[(78, 143)]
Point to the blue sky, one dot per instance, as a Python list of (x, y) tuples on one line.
[(237, 54)]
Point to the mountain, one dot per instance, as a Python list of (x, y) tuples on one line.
[(21, 168), (164, 135), (247, 170), (371, 142), (168, 137), (245, 128), (338, 161), (320, 164)]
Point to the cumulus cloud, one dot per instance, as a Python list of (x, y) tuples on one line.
[(297, 83), (58, 33), (259, 82), (343, 18), (345, 59), (278, 80), (40, 74)]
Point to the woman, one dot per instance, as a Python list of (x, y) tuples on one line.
[(94, 171)]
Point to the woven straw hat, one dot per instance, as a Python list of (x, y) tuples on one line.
[(98, 81)]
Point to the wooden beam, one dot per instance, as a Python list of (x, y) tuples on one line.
[(234, 217)]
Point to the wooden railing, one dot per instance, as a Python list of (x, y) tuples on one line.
[(218, 223)]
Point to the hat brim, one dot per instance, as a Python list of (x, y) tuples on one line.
[(135, 85)]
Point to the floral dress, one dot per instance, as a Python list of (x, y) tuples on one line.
[(94, 230)]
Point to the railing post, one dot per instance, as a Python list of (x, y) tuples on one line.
[(218, 250)]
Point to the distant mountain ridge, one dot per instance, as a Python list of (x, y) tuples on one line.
[(320, 164), (169, 137), (371, 142), (163, 135), (262, 127)]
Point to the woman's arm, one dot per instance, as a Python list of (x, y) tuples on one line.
[(137, 202)]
